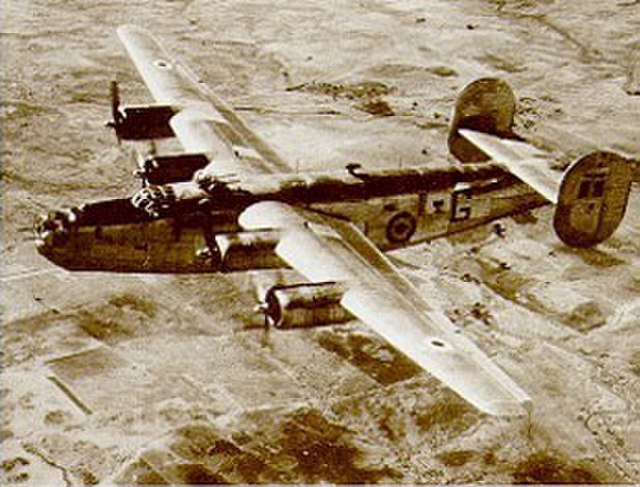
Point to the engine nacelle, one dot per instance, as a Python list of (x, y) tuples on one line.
[(243, 251), (157, 200), (145, 122), (166, 169), (306, 305)]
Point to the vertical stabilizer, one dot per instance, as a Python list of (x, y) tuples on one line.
[(592, 199), (486, 105)]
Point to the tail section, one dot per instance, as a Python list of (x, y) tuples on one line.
[(486, 105), (591, 196), (592, 199)]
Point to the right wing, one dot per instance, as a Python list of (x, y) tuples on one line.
[(324, 248), (203, 123)]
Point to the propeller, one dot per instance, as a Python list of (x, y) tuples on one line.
[(117, 118), (144, 165)]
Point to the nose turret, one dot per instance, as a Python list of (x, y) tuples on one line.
[(52, 230)]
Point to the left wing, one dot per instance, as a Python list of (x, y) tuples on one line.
[(203, 122), (324, 248)]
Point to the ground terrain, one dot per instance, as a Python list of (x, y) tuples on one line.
[(170, 379)]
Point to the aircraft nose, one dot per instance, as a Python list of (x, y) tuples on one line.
[(43, 230), (50, 231)]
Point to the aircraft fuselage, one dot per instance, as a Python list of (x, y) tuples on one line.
[(394, 208)]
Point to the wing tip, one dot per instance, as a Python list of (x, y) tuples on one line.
[(516, 408), (125, 31)]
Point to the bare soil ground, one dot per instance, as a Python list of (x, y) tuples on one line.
[(165, 379)]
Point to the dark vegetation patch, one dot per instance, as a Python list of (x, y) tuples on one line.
[(368, 94), (450, 417), (366, 89), (5, 434), (377, 107), (123, 317), (202, 444), (389, 424), (502, 280), (306, 447), (551, 468), (106, 330), (88, 363), (57, 417), (635, 362), (379, 361), (192, 474), (11, 464), (597, 258), (85, 476), (455, 458), (140, 472), (324, 452), (18, 478), (502, 64), (194, 442), (23, 339), (442, 71), (586, 317), (134, 303)]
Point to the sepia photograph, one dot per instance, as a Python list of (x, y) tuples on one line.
[(262, 242)]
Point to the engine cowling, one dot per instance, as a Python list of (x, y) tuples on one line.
[(242, 251), (157, 169), (145, 122), (305, 305)]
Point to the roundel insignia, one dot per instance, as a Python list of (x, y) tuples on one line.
[(162, 64), (401, 227)]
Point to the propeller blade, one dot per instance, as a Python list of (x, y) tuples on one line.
[(144, 165), (116, 115), (114, 94)]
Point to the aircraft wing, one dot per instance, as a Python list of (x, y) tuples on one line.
[(203, 123), (324, 248), (525, 161)]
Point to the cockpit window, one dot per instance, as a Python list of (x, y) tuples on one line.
[(110, 212)]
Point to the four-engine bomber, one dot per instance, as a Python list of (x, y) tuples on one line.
[(230, 203)]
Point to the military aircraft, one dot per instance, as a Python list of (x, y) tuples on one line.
[(230, 203)]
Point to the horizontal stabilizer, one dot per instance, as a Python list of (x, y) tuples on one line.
[(591, 195), (523, 160)]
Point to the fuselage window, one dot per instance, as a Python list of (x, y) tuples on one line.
[(438, 206), (584, 190), (591, 188), (598, 188)]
